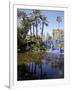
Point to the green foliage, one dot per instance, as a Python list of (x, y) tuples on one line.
[(50, 37), (28, 57), (29, 23), (62, 44)]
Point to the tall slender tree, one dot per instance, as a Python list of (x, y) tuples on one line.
[(36, 14), (22, 17), (33, 23), (33, 28), (30, 25), (44, 22), (59, 19)]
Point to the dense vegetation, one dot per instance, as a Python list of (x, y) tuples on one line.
[(28, 23)]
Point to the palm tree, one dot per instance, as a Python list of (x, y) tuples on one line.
[(33, 23), (33, 28), (44, 22), (21, 14), (29, 24), (21, 25), (23, 20), (36, 14), (59, 19)]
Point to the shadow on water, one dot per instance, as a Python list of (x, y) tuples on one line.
[(48, 68)]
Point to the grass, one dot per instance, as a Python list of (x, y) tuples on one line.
[(28, 57), (35, 56)]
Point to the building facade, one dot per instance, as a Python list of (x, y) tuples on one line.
[(58, 34)]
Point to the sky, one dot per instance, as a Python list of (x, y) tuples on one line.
[(51, 17)]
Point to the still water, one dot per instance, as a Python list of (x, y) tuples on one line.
[(48, 68)]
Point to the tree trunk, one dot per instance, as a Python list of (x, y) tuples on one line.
[(42, 29), (36, 25), (30, 30), (33, 29), (58, 25)]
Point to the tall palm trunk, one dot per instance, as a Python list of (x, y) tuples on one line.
[(36, 28), (30, 30), (42, 29), (58, 25), (33, 29)]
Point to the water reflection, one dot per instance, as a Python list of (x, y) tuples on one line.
[(49, 68)]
